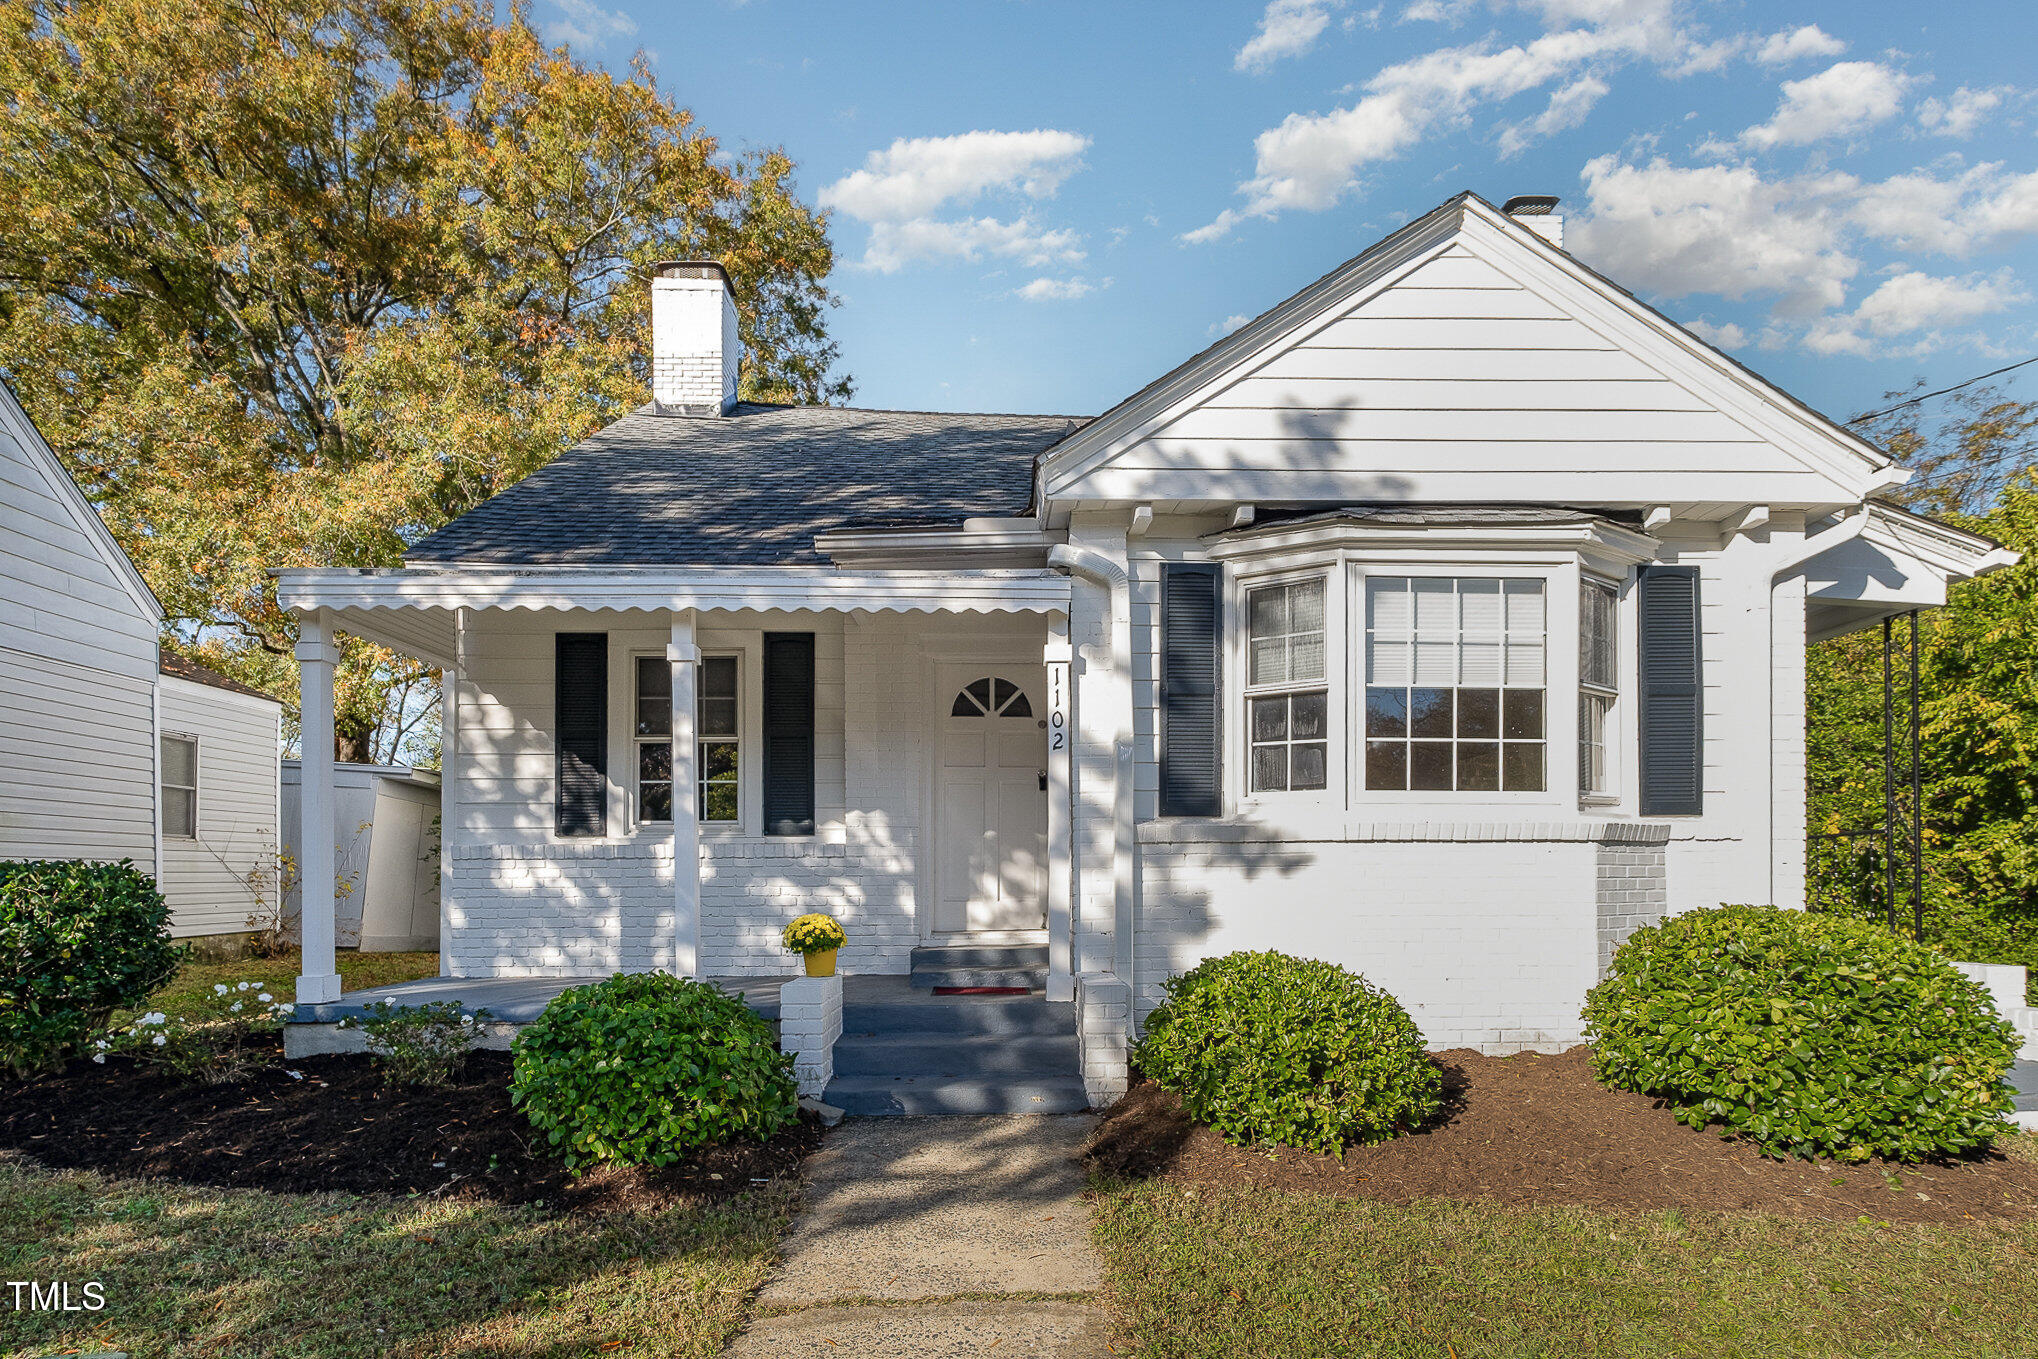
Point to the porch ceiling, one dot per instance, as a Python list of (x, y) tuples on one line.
[(416, 611)]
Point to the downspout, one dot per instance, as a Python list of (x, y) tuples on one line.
[(1099, 569)]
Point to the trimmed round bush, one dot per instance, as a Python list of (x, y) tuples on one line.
[(1810, 1035), (1265, 1047), (77, 941), (642, 1068)]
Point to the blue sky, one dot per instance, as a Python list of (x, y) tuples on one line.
[(1040, 207)]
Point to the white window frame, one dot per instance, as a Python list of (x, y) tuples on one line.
[(1610, 696), (164, 786), (744, 741), (1239, 695)]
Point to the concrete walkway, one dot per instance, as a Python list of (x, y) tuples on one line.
[(938, 1237)]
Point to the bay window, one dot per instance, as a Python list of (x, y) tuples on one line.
[(1454, 671), (716, 728), (1598, 686), (1287, 687)]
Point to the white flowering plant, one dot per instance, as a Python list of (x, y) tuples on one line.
[(418, 1044), (215, 1040)]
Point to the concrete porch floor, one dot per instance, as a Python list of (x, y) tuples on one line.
[(509, 1000)]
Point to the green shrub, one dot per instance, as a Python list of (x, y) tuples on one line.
[(1810, 1035), (644, 1067), (418, 1044), (77, 942), (1268, 1048)]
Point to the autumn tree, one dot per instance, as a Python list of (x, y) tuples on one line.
[(294, 282)]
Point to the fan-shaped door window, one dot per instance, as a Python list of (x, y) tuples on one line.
[(990, 698)]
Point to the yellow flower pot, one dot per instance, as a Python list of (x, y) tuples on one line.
[(821, 964)]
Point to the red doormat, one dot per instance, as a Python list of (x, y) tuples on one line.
[(982, 991)]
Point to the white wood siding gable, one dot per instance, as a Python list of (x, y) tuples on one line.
[(77, 668), (1464, 359)]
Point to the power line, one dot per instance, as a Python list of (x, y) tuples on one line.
[(1984, 377)]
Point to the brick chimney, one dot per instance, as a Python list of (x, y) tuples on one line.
[(1538, 212), (694, 348)]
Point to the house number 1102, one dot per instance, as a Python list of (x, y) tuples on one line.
[(1057, 705)]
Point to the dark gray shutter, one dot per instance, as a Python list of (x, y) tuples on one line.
[(1673, 697), (1192, 717), (788, 733), (580, 729)]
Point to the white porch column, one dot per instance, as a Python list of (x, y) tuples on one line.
[(319, 979), (1061, 740), (686, 822)]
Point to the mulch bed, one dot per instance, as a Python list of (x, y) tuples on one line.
[(1535, 1130), (340, 1129)]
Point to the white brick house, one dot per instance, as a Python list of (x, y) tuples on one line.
[(1446, 621)]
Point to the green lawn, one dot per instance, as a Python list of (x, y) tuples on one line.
[(280, 975), (1265, 1275), (242, 1273)]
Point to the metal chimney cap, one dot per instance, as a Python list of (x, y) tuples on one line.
[(1530, 205), (692, 269)]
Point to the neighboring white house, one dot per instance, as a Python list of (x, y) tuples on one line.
[(107, 750), (385, 854), (222, 802), (1446, 621)]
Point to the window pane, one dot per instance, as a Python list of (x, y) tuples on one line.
[(1478, 766), (1270, 769), (718, 759), (1391, 663), (1309, 765), (965, 706), (1267, 611), (1596, 664), (654, 761), (1270, 719), (656, 800), (1269, 664), (1436, 662), (1524, 608), (1429, 766), (1019, 707), (1524, 662), (1430, 712), (1593, 774), (1481, 661), (1436, 609), (1521, 768), (1305, 606), (1479, 601), (718, 676), (180, 812), (1479, 713), (980, 690), (1386, 765), (1306, 716), (718, 802), (1305, 657), (654, 696), (1522, 714), (1001, 693), (718, 717), (1387, 713), (180, 762)]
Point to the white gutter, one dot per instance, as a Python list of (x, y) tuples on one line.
[(1099, 569)]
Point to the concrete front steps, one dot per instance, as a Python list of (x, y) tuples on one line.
[(904, 1050), (980, 965)]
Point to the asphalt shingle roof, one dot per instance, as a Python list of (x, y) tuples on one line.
[(750, 488)]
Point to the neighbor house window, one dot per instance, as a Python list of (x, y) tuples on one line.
[(1454, 684), (1598, 685), (180, 786), (716, 726), (1287, 700)]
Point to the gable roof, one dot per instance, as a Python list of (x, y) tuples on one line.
[(749, 488), (1554, 292), (179, 667), (14, 421)]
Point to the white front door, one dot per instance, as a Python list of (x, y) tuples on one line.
[(991, 802)]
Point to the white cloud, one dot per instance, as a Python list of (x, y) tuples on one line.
[(1845, 98), (1721, 230), (1725, 335), (1310, 161), (1798, 43), (1288, 28), (1567, 108), (1955, 215), (1960, 113), (1228, 324), (1451, 12), (901, 190), (1910, 303), (1055, 289), (586, 24)]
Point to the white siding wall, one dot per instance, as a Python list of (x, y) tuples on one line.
[(205, 879), (77, 672)]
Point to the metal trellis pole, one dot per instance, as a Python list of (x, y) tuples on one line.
[(1888, 785), (1917, 802)]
